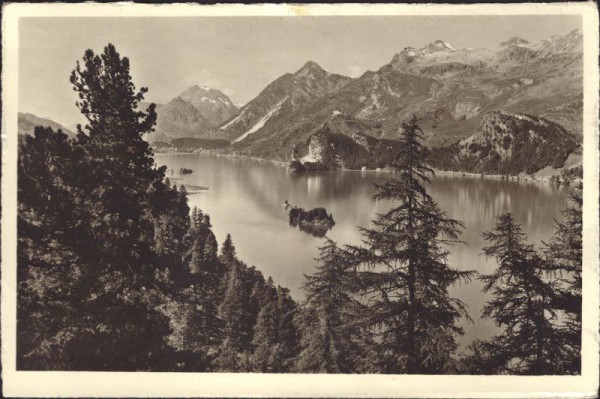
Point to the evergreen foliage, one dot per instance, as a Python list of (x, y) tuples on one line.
[(228, 254), (232, 311), (107, 264), (328, 338), (116, 273), (275, 339), (564, 258), (531, 342), (404, 274)]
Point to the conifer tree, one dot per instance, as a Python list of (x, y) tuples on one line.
[(564, 258), (119, 176), (204, 327), (404, 271), (266, 357), (327, 336), (287, 333), (115, 231), (49, 268), (521, 304), (254, 285), (228, 254), (231, 312)]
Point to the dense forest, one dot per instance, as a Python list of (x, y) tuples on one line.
[(116, 272)]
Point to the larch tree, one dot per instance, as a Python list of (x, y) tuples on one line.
[(326, 323), (404, 271), (288, 336), (264, 357), (564, 259), (530, 342), (232, 311)]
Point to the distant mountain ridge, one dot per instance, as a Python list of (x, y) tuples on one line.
[(195, 113), (284, 96), (27, 123), (450, 90), (212, 104), (454, 92)]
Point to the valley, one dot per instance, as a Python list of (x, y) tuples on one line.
[(456, 94)]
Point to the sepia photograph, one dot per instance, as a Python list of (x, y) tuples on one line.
[(231, 193)]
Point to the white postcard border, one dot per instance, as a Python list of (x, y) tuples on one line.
[(102, 384)]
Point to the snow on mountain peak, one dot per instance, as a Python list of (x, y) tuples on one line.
[(438, 45), (213, 104), (448, 45), (515, 41)]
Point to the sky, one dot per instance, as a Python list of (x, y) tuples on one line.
[(240, 55)]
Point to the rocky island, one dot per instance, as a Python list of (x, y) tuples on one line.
[(315, 221)]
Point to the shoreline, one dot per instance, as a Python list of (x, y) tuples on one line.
[(437, 172)]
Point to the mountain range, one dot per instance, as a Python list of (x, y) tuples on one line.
[(450, 90), (465, 99), (195, 113), (27, 123)]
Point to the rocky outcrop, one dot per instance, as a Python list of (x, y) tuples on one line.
[(508, 144), (321, 151), (341, 143)]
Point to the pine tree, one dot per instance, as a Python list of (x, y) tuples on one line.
[(254, 285), (231, 312), (170, 215), (228, 254), (120, 176), (266, 357), (327, 336), (49, 268), (112, 231), (521, 304), (564, 258), (288, 336), (204, 327), (404, 271)]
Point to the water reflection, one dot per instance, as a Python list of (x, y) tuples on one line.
[(244, 198)]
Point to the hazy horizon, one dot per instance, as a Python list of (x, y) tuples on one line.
[(241, 55)]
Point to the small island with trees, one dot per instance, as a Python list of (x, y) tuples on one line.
[(315, 221)]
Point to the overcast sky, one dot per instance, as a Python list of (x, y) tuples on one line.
[(240, 55)]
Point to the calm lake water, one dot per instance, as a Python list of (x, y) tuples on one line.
[(245, 198)]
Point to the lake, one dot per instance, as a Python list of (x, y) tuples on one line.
[(245, 198)]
